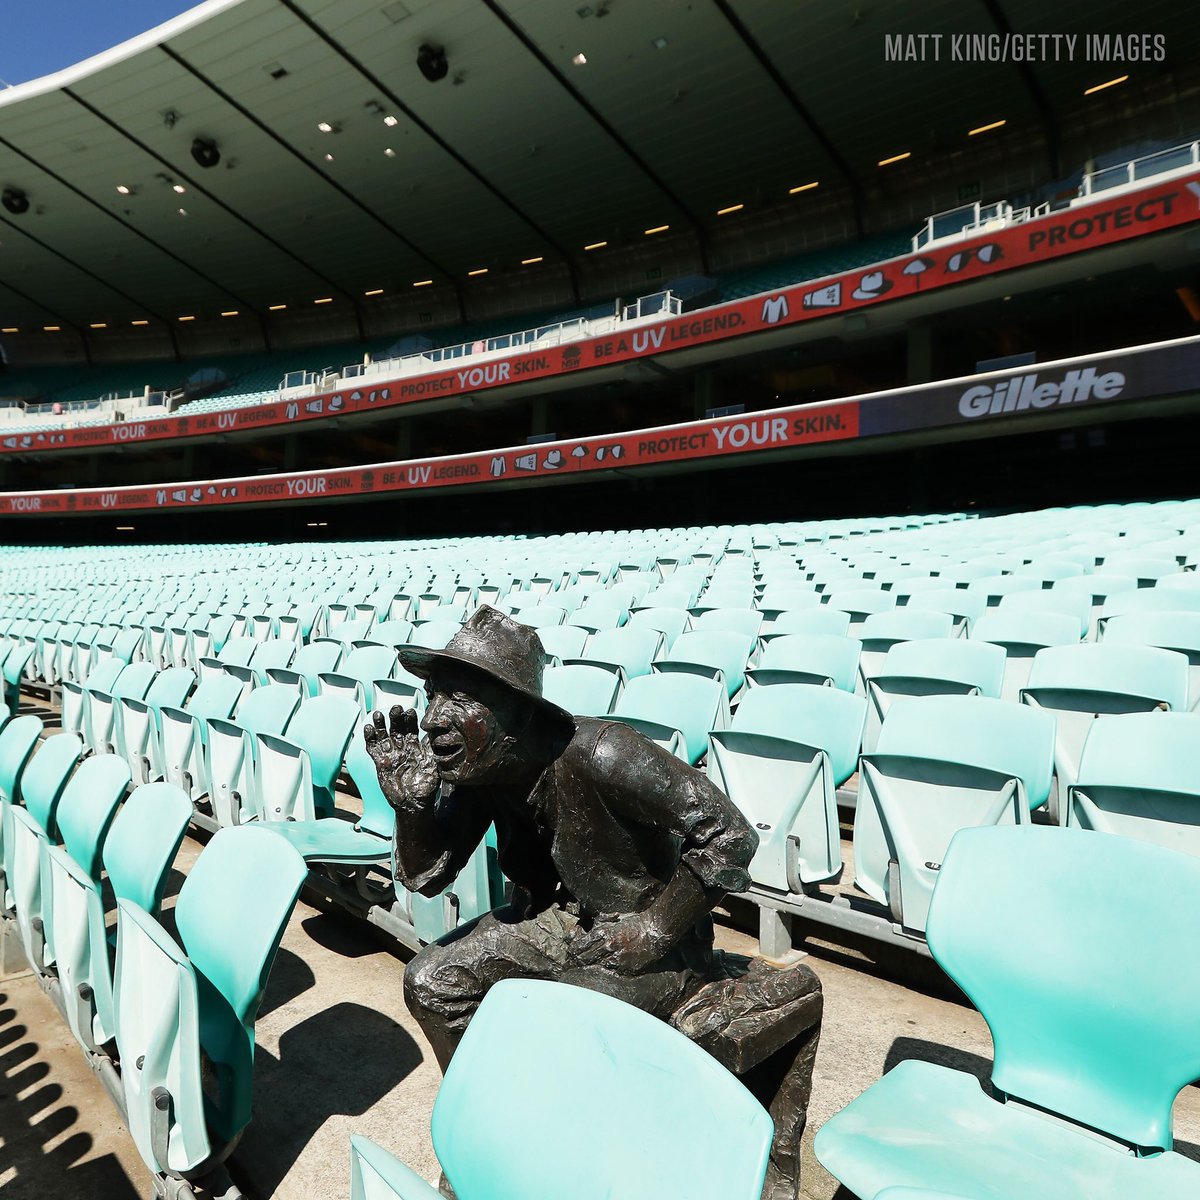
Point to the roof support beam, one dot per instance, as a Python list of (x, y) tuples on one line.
[(1041, 102), (822, 138)]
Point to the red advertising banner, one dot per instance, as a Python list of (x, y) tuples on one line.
[(777, 430), (1100, 222)]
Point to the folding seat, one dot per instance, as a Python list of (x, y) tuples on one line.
[(993, 588), (1146, 569), (861, 603), (942, 763), (1079, 683), (740, 620), (355, 678), (881, 631), (51, 646), (1086, 1069), (391, 633), (721, 654), (271, 654), (125, 647), (832, 622), (349, 632), (562, 641), (235, 652), (1179, 631), (1022, 634), (101, 705), (95, 789), (600, 612), (931, 667), (1076, 605), (963, 606), (619, 1071), (229, 750), (675, 711), (15, 662), (297, 625), (630, 650), (808, 658), (582, 689), (778, 597), (175, 743), (185, 1010), (1148, 600), (1139, 776), (309, 663), (137, 730), (670, 622), (677, 592), (786, 752), (18, 739), (206, 637), (434, 634), (295, 772), (540, 616)]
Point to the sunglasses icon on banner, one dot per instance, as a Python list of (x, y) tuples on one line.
[(988, 253)]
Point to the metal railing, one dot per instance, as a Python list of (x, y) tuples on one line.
[(1176, 158)]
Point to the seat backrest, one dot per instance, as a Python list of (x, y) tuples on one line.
[(814, 654), (233, 907), (832, 622), (980, 664), (88, 804), (17, 740), (390, 633), (670, 622), (678, 701), (824, 718), (268, 709), (1146, 751), (143, 841), (724, 648), (631, 647), (581, 689), (434, 634), (1124, 670), (105, 675), (317, 657), (216, 696), (1076, 604), (133, 682), (1106, 1040), (368, 663), (1031, 627), (1168, 630), (46, 776), (549, 1048), (170, 687), (323, 726), (975, 731), (906, 624)]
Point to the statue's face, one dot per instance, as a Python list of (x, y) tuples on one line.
[(472, 725)]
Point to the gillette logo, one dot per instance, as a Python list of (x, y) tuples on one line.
[(1023, 392)]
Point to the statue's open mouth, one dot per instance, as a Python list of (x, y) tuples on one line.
[(447, 752)]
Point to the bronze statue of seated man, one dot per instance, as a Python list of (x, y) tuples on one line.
[(617, 852)]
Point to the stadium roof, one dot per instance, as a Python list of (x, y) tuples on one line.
[(342, 169)]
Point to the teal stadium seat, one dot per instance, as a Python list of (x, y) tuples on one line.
[(185, 1010), (1090, 1049), (787, 751), (310, 662), (553, 1049), (1169, 630), (808, 658), (137, 854), (582, 689), (137, 731), (182, 734), (676, 711), (943, 763), (230, 745), (1139, 776)]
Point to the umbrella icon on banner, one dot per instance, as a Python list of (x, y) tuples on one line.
[(579, 452), (917, 267)]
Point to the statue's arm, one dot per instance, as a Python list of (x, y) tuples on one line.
[(433, 836), (652, 787)]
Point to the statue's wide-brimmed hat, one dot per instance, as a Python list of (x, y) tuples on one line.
[(503, 649)]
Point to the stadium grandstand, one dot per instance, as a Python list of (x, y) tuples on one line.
[(820, 382)]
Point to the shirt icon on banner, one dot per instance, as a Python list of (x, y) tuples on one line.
[(160, 497), (774, 309), (292, 411), (498, 467)]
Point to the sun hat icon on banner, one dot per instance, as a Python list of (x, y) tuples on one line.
[(872, 285)]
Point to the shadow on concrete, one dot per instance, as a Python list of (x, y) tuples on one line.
[(290, 977), (32, 1116), (347, 937), (339, 1062)]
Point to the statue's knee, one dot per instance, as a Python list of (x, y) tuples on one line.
[(421, 988)]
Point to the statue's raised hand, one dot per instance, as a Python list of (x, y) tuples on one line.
[(405, 765)]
